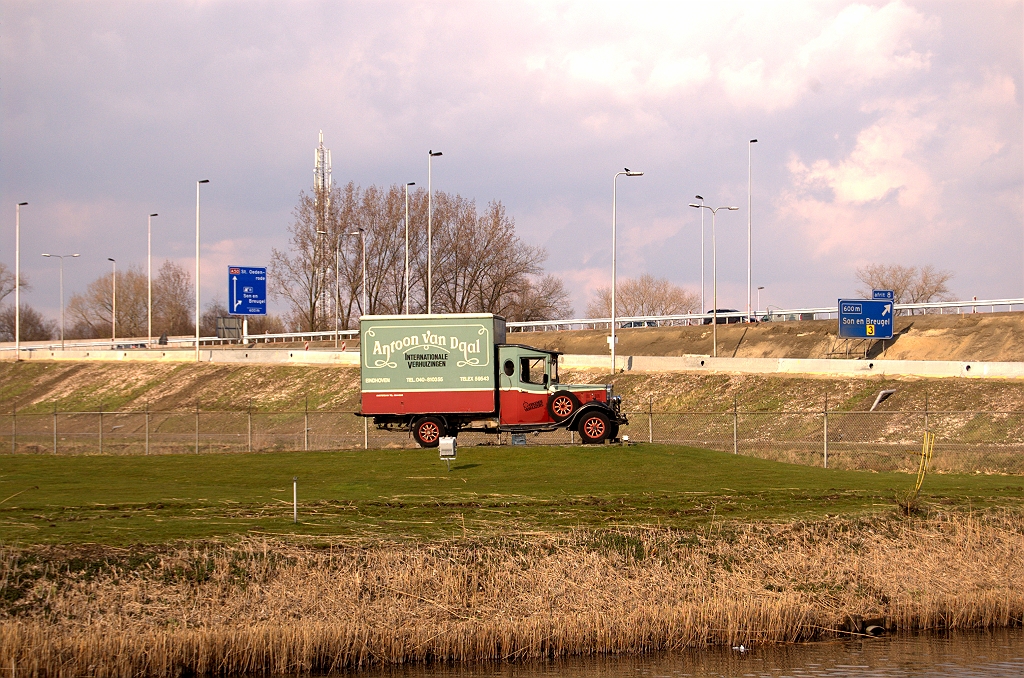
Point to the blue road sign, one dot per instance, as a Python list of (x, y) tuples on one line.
[(885, 295), (865, 319), (247, 290)]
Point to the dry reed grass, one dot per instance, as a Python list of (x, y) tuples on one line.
[(263, 606)]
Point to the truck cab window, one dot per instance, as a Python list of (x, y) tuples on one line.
[(532, 371)]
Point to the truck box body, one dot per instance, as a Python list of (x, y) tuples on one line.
[(429, 363)]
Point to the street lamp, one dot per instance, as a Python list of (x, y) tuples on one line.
[(362, 234), (749, 146), (149, 267), (703, 307), (201, 181), (17, 280), (629, 173), (61, 257), (113, 302), (759, 298), (430, 216), (714, 275), (411, 183)]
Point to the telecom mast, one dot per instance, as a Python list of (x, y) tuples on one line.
[(322, 185)]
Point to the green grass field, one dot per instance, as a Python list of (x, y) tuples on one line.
[(410, 494)]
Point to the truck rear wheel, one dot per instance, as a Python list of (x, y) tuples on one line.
[(428, 431), (594, 428), (562, 405)]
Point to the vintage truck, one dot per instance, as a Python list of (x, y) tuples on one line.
[(436, 375)]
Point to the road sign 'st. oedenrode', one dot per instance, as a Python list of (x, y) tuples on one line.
[(247, 290)]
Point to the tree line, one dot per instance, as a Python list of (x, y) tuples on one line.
[(479, 263)]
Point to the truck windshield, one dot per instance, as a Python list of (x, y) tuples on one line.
[(531, 371)]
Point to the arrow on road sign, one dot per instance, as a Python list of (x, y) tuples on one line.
[(234, 293), (886, 309)]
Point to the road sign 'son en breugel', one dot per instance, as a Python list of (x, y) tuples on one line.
[(883, 295), (865, 319), (247, 290)]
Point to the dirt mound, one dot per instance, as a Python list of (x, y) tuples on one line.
[(967, 337)]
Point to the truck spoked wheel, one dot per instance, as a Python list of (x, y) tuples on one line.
[(428, 431), (562, 405), (593, 428)]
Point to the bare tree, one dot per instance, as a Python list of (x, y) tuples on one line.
[(479, 263), (88, 313), (173, 301), (910, 284), (7, 281), (34, 327), (302, 278), (543, 298), (642, 296)]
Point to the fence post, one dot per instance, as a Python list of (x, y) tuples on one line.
[(147, 428), (101, 428), (305, 426), (249, 444), (197, 427), (735, 426), (825, 436), (55, 429), (650, 419), (366, 433)]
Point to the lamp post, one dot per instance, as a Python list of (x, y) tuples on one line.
[(629, 173), (198, 183), (714, 275), (759, 299), (149, 268), (61, 257), (362, 234), (411, 183), (337, 291), (430, 226), (113, 302), (703, 307), (750, 145), (17, 280)]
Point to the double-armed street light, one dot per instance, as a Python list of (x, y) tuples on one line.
[(714, 274), (629, 173), (61, 257), (430, 216)]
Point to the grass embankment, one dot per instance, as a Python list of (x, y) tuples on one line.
[(40, 387), (409, 493), (128, 566)]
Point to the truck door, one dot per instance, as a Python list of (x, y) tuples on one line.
[(523, 387)]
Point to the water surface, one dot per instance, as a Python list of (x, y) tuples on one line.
[(996, 654)]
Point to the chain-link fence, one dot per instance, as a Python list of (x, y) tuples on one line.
[(967, 442)]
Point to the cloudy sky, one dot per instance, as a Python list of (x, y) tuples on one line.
[(889, 132)]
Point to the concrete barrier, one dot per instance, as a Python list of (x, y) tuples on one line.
[(271, 356), (639, 363), (863, 368)]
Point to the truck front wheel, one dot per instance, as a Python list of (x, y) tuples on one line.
[(593, 428), (428, 431)]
